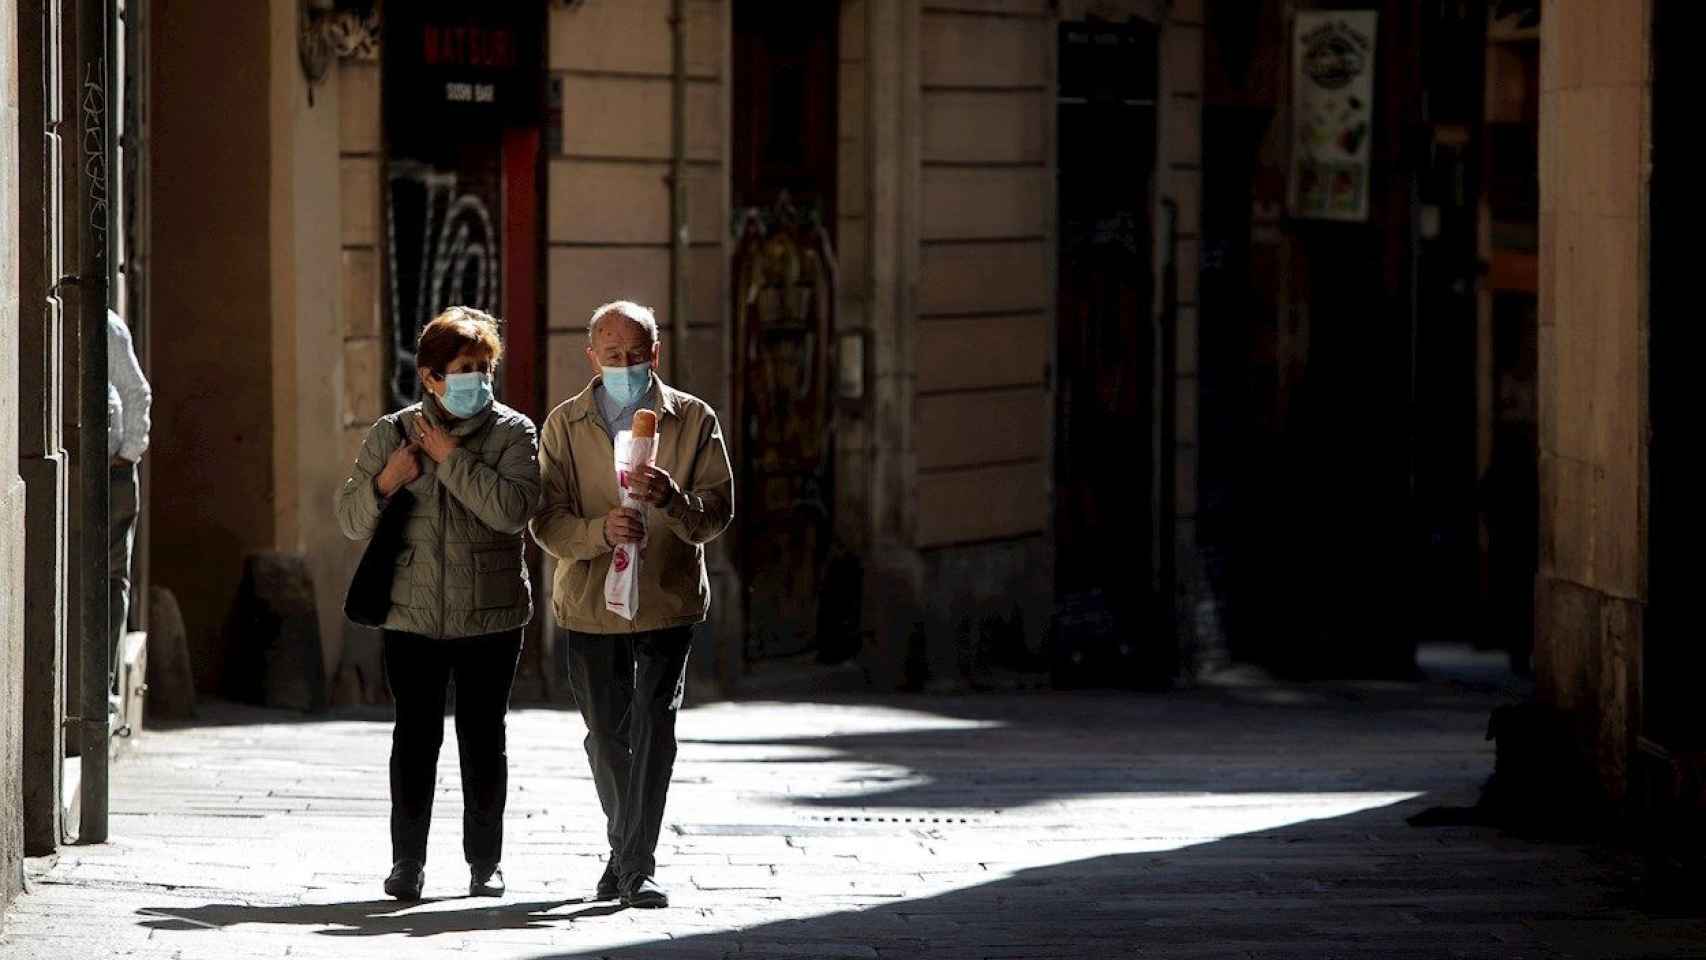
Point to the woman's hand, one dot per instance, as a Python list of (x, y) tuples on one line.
[(624, 525), (435, 442), (400, 470), (653, 485)]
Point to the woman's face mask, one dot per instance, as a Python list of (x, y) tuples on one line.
[(466, 394)]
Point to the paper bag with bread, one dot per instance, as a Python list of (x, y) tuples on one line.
[(635, 448)]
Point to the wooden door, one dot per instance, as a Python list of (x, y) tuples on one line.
[(784, 146), (1104, 449)]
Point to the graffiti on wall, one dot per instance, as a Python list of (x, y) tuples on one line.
[(442, 250), (94, 108)]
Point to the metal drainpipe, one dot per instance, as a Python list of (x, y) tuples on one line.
[(678, 226), (1167, 567), (95, 21)]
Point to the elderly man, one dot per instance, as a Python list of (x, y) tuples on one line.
[(628, 676)]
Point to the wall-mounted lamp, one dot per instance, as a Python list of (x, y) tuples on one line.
[(329, 29)]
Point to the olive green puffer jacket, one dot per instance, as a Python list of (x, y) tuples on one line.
[(462, 572)]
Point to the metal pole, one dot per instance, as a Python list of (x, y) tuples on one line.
[(95, 20), (678, 226), (1166, 475)]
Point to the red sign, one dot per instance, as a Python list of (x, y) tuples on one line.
[(471, 45)]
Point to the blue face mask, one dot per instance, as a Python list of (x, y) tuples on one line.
[(466, 394), (627, 385)]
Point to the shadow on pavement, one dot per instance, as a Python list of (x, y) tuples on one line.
[(1364, 885), (226, 713), (372, 918), (1359, 886)]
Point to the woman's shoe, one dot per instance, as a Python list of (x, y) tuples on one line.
[(485, 880), (406, 880)]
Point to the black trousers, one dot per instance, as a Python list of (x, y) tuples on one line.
[(629, 688), (419, 670)]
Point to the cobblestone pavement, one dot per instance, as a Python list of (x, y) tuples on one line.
[(1255, 822)]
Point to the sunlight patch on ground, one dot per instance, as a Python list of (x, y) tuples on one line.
[(733, 722)]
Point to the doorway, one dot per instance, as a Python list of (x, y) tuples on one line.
[(784, 186), (1672, 657), (1106, 127), (462, 214)]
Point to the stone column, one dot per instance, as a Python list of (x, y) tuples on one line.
[(1591, 590), (43, 460), (12, 491), (894, 573), (1179, 176)]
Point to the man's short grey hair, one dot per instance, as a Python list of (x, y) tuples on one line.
[(625, 308)]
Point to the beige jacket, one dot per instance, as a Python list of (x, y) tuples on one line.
[(577, 465)]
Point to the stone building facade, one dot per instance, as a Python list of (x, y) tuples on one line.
[(945, 240), (272, 344), (256, 259)]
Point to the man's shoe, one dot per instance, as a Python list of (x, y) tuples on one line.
[(406, 880), (644, 892), (485, 880), (609, 885)]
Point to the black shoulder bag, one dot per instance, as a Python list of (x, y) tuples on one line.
[(368, 602)]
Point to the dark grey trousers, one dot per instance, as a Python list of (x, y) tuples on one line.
[(629, 689), (121, 537)]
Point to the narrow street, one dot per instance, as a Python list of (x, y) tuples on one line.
[(1244, 822)]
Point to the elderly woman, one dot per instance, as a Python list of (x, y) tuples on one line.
[(464, 472)]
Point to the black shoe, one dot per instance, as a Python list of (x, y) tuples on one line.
[(406, 880), (485, 880), (644, 892), (609, 885)]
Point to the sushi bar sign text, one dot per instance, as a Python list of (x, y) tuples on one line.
[(455, 63), (465, 48)]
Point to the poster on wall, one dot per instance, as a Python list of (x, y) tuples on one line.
[(1332, 113)]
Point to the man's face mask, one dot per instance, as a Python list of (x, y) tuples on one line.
[(627, 384)]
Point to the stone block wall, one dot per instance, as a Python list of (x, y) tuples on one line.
[(1591, 589), (607, 194), (985, 227), (986, 234), (607, 218)]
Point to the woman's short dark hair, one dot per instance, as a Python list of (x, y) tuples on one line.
[(456, 330)]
